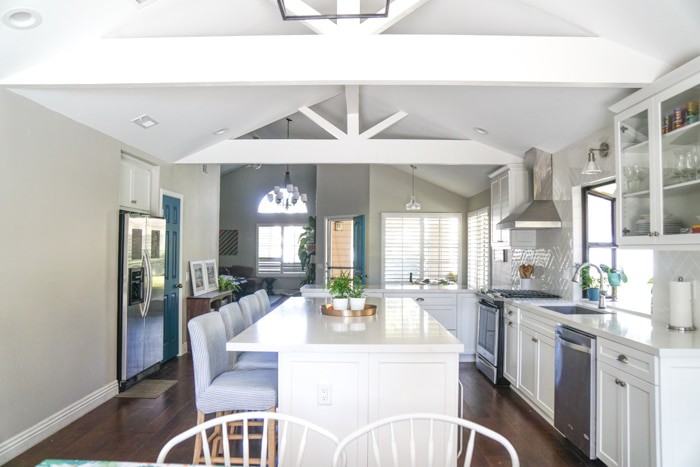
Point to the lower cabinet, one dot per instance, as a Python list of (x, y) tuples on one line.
[(626, 419), (466, 325), (536, 362), (511, 345)]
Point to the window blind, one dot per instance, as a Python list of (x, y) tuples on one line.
[(426, 245), (278, 247), (478, 249)]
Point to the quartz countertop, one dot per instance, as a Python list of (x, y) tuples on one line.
[(297, 325), (629, 329)]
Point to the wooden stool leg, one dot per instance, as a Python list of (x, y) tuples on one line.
[(198, 440), (271, 441)]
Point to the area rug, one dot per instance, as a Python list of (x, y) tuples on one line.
[(148, 389)]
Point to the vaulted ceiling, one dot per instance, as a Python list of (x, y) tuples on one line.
[(410, 88)]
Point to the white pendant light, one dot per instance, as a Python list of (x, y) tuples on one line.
[(286, 195), (412, 204)]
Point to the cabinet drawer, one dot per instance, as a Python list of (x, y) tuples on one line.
[(428, 300), (640, 364), (542, 326), (512, 313), (446, 316)]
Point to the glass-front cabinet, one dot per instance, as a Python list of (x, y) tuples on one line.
[(658, 165)]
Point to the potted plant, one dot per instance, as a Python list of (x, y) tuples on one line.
[(357, 294), (307, 250), (340, 288), (594, 289), (616, 277), (227, 284)]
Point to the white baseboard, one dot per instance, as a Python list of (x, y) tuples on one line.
[(31, 436)]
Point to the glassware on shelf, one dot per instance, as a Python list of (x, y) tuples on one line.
[(691, 164)]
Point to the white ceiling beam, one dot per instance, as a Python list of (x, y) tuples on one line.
[(387, 59), (344, 7), (359, 151), (300, 8), (323, 123), (352, 102), (383, 125), (398, 11)]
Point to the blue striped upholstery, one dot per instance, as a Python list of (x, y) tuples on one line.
[(256, 360), (216, 388), (250, 306), (233, 320), (264, 300)]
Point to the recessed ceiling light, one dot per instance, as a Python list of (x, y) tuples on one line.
[(220, 131), (481, 131), (144, 121), (21, 18)]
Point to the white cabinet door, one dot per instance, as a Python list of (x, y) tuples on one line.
[(141, 188), (528, 361), (134, 185), (545, 374), (496, 211), (609, 417), (125, 179), (466, 324), (510, 352), (626, 419)]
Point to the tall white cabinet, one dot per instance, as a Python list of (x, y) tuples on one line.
[(509, 189), (135, 184)]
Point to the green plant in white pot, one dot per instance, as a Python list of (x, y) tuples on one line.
[(340, 288), (357, 294)]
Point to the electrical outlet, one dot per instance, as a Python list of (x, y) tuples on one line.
[(324, 394)]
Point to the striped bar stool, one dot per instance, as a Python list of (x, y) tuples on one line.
[(250, 306), (233, 323), (264, 300), (218, 390)]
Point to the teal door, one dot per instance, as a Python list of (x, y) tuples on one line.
[(171, 212), (358, 246)]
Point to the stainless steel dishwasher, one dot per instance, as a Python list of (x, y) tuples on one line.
[(575, 388)]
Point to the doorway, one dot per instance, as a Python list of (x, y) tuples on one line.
[(345, 246)]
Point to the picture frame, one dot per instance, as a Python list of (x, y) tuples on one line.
[(211, 275), (198, 278)]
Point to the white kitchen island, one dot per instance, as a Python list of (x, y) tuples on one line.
[(342, 373)]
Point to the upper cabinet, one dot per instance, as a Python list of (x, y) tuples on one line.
[(658, 167), (135, 181), (509, 189)]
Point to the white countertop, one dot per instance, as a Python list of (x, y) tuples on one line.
[(626, 328), (396, 287), (297, 325)]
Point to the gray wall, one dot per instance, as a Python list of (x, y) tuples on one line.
[(389, 191), (242, 190), (480, 200), (59, 198)]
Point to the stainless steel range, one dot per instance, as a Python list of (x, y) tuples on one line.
[(490, 335)]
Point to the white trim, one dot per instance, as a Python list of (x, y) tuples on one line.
[(19, 443), (182, 346)]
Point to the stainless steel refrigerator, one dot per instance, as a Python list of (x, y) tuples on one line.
[(141, 286)]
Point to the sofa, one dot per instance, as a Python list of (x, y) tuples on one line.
[(253, 283)]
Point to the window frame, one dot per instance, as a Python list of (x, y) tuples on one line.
[(585, 192), (281, 272), (487, 256), (423, 215)]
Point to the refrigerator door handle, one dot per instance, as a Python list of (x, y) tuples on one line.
[(148, 281)]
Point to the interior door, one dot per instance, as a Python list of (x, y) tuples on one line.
[(171, 212)]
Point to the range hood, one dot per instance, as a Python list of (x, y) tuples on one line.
[(540, 213)]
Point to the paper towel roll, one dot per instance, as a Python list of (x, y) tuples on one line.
[(681, 305)]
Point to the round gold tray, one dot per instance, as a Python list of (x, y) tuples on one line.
[(369, 310)]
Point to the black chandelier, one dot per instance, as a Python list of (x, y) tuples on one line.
[(383, 13)]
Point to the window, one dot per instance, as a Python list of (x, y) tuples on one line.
[(600, 247), (278, 249), (478, 249), (422, 245)]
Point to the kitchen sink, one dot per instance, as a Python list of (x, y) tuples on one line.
[(574, 310)]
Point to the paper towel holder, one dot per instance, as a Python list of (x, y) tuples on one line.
[(681, 328)]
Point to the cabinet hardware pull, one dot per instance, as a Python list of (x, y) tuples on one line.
[(534, 339), (133, 201), (622, 358), (622, 384), (419, 299), (510, 312), (617, 381), (510, 323), (656, 234), (650, 234)]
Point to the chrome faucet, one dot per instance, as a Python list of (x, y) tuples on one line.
[(603, 291)]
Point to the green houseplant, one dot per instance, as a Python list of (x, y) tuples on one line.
[(616, 277), (227, 284), (307, 250), (340, 288), (357, 294)]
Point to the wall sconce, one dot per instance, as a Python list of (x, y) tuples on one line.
[(592, 166)]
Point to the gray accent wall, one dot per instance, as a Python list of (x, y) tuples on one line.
[(59, 197)]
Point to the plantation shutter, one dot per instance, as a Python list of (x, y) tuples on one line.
[(478, 249), (426, 245), (278, 249)]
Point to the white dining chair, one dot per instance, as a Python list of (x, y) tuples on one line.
[(418, 439), (304, 431)]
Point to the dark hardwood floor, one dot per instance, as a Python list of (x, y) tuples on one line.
[(136, 429)]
